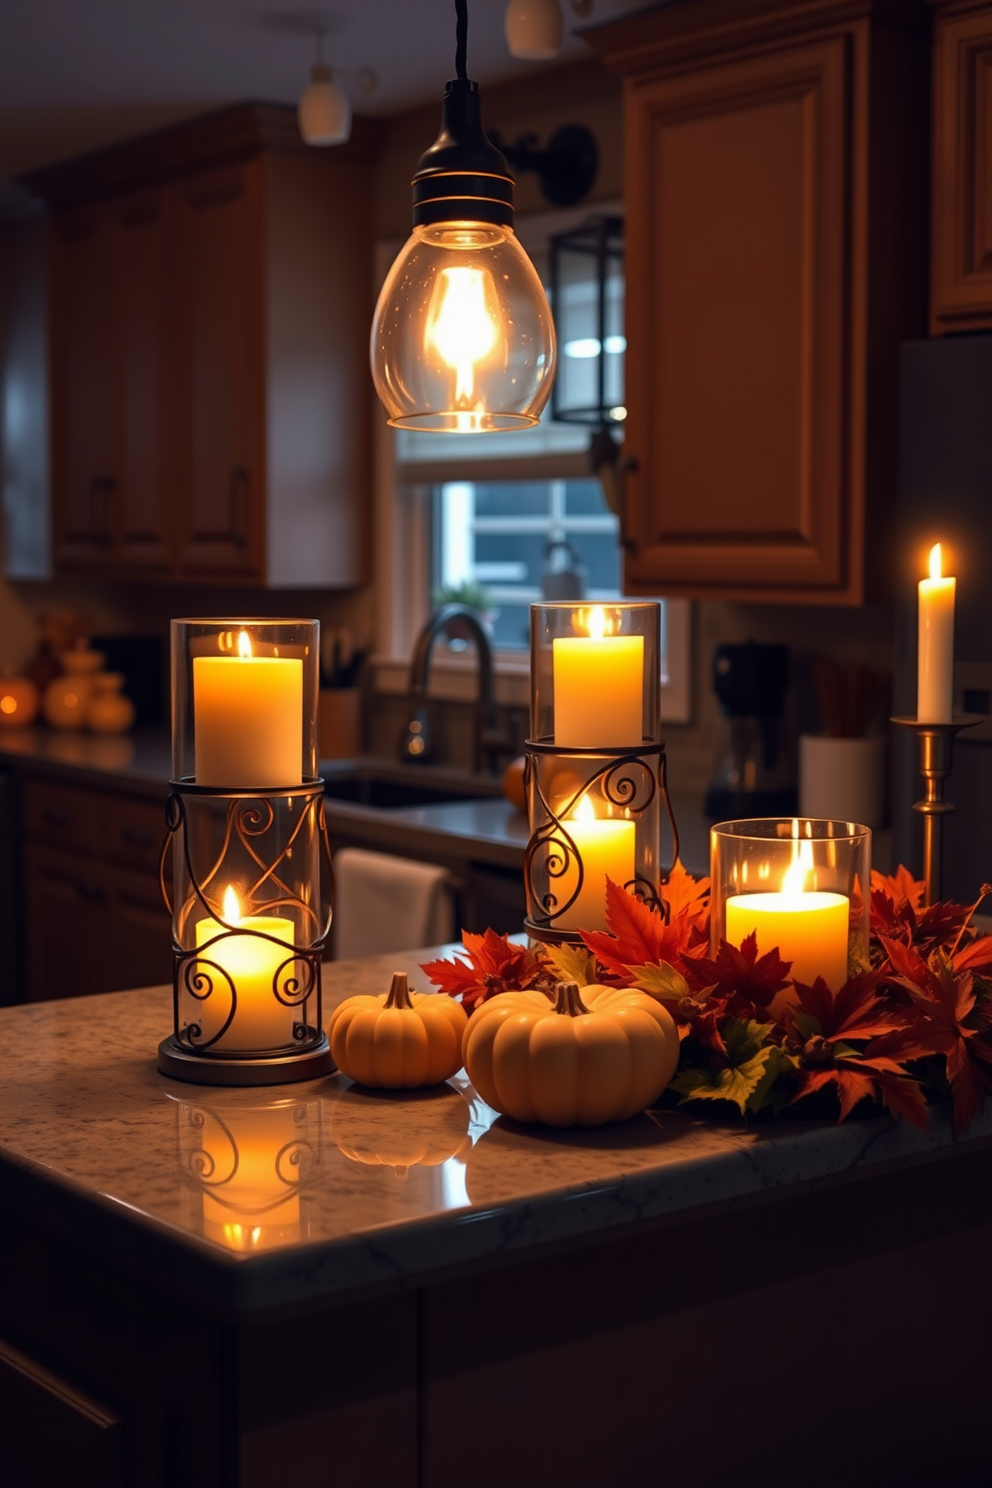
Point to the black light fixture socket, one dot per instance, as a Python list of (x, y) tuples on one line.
[(463, 177)]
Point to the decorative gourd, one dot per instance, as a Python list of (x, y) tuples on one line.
[(19, 702), (401, 1131), (398, 1041), (580, 1060), (108, 711)]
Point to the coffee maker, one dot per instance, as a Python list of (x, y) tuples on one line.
[(754, 774)]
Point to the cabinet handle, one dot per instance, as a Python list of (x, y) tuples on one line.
[(238, 491), (630, 466)]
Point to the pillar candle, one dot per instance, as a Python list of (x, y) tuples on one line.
[(598, 687), (248, 719), (935, 690), (606, 848), (810, 930), (260, 1021)]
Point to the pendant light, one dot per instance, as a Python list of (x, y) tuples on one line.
[(462, 339), (324, 111)]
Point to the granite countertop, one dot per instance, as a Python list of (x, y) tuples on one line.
[(383, 1191)]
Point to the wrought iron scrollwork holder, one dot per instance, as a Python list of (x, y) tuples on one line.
[(249, 816), (632, 784)]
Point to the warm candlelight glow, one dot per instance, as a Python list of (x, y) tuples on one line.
[(809, 927), (232, 907), (598, 684), (606, 849), (248, 717), (257, 964), (935, 677)]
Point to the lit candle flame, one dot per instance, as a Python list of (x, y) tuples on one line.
[(244, 645), (596, 624), (794, 880), (461, 326), (232, 907), (584, 811), (935, 561)]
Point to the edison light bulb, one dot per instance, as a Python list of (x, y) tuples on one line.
[(462, 339)]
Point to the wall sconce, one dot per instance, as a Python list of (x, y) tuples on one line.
[(462, 339), (534, 28), (565, 168)]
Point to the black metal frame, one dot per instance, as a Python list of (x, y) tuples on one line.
[(250, 814), (628, 782), (597, 239)]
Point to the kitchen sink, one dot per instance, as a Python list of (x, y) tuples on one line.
[(385, 786)]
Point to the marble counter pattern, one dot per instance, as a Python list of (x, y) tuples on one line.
[(338, 1191)]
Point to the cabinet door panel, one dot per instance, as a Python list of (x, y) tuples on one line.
[(736, 250), (143, 512), (961, 289), (221, 369), (84, 388), (51, 1433)]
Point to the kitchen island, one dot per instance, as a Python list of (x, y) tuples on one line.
[(312, 1283)]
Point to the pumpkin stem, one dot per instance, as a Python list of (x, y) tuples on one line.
[(399, 992), (567, 1000)]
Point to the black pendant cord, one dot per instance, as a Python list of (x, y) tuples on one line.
[(461, 38)]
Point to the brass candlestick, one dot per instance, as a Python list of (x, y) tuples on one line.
[(936, 746)]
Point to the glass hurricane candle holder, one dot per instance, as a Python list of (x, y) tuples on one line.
[(800, 884), (596, 775), (244, 702), (249, 855)]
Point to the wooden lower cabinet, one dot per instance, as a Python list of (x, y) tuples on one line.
[(52, 1433), (93, 911)]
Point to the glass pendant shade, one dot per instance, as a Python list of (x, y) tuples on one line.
[(463, 340)]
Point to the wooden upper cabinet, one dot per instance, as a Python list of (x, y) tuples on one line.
[(961, 246), (221, 372), (84, 391), (211, 294), (775, 257), (143, 508)]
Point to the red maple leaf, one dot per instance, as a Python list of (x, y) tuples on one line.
[(640, 936), (827, 1026), (746, 980), (493, 966), (682, 892), (901, 887), (943, 997)]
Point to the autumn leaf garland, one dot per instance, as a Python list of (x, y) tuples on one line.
[(918, 1022)]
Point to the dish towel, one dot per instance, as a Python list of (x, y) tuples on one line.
[(387, 904)]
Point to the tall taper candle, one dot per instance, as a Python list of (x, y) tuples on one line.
[(935, 677)]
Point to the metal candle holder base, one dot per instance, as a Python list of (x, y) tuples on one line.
[(936, 748), (630, 784), (273, 841)]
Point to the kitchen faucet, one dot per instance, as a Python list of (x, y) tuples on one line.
[(489, 740)]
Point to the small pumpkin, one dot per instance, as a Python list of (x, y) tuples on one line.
[(581, 1059), (398, 1041)]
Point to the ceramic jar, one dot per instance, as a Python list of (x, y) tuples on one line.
[(108, 711), (66, 697)]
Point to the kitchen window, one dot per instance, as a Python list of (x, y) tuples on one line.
[(501, 513)]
